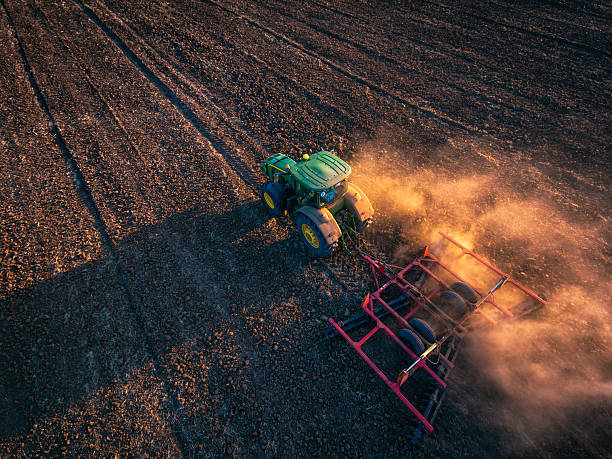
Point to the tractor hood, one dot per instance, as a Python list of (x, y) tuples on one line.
[(320, 172)]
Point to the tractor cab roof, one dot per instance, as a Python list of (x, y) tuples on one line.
[(320, 171)]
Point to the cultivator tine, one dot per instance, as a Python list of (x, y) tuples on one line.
[(361, 317)]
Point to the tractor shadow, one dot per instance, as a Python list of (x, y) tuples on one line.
[(64, 338)]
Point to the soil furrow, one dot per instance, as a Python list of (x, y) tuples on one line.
[(526, 127), (79, 181), (439, 23), (86, 196), (482, 74), (568, 43), (289, 81), (544, 20), (230, 82), (535, 115), (206, 97), (562, 6), (426, 112), (401, 67), (96, 91), (197, 89), (241, 168), (443, 16)]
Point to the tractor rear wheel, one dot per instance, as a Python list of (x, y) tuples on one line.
[(313, 237), (274, 197)]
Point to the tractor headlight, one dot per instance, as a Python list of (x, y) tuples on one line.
[(323, 194)]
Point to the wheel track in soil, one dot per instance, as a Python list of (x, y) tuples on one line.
[(441, 51), (533, 115), (283, 39), (312, 97), (243, 170), (344, 272), (199, 92), (543, 18), (86, 196), (195, 84), (427, 112), (96, 91), (469, 26), (173, 68), (401, 66), (425, 18), (561, 6), (257, 59)]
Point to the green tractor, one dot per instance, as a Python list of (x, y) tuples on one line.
[(318, 197)]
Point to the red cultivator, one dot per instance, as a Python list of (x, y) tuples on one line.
[(428, 303)]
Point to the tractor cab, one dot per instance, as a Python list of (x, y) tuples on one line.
[(320, 178)]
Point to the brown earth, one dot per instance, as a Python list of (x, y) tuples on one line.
[(151, 307)]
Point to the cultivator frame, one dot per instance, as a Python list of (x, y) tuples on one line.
[(409, 280)]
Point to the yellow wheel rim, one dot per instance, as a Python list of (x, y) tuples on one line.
[(310, 236), (269, 200)]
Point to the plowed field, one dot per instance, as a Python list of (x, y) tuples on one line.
[(149, 306)]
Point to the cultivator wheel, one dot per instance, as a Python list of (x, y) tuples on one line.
[(411, 339), (453, 303), (464, 291), (423, 329)]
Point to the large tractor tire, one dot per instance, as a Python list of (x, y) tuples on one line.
[(274, 197), (359, 205), (313, 237)]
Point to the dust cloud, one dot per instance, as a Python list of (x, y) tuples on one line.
[(555, 362)]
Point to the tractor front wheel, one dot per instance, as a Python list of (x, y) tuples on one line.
[(274, 197), (313, 237)]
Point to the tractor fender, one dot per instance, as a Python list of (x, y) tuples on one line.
[(358, 204), (324, 220)]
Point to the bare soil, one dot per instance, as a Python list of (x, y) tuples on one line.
[(148, 304)]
